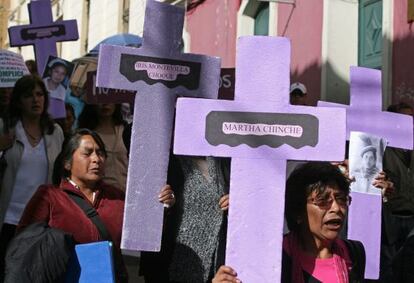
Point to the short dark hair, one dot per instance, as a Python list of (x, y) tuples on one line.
[(305, 179), (24, 85), (69, 146)]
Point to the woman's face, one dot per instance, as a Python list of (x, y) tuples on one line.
[(58, 74), (32, 103), (326, 213), (106, 110), (87, 162), (69, 120)]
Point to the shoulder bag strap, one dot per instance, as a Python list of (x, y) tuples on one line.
[(92, 214)]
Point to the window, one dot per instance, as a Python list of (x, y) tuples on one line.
[(261, 20), (370, 34)]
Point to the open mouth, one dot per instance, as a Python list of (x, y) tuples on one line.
[(334, 223)]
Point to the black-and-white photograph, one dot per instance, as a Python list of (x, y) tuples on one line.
[(365, 161)]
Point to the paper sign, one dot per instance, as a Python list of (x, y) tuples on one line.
[(102, 95), (12, 68)]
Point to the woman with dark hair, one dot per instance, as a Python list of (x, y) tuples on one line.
[(37, 142), (106, 120), (80, 168), (317, 200)]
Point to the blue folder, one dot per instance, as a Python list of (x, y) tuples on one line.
[(91, 262)]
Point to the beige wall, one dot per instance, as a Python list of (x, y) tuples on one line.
[(75, 10), (136, 16), (4, 14), (104, 18), (20, 16), (339, 48)]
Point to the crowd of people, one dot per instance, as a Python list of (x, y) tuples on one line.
[(56, 167)]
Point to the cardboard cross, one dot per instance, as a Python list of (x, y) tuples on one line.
[(158, 71), (260, 131), (42, 32), (365, 114)]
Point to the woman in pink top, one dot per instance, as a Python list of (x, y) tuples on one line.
[(317, 200)]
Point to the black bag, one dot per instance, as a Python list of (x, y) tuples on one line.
[(38, 254)]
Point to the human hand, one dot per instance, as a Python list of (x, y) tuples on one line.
[(167, 196), (224, 202), (225, 274), (386, 186)]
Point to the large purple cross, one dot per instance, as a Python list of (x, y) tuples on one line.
[(260, 131), (42, 32), (364, 114), (158, 71)]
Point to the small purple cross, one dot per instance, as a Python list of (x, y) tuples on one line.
[(42, 32), (260, 131), (159, 72), (365, 115)]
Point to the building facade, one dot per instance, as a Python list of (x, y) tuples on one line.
[(327, 36)]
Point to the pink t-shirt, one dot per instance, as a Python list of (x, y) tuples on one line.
[(325, 270)]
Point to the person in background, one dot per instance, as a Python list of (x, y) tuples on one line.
[(67, 123), (298, 94), (37, 142), (107, 121), (32, 67), (398, 211), (317, 200), (195, 228)]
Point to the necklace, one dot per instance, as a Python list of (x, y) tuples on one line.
[(78, 188), (33, 139)]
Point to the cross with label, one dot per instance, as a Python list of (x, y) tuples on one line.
[(260, 131), (365, 114), (42, 32), (159, 72)]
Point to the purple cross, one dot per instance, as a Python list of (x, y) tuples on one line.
[(365, 112), (365, 115), (158, 71), (42, 32), (260, 131)]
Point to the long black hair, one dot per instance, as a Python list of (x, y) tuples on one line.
[(69, 146), (23, 86)]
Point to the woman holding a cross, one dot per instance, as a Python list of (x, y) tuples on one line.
[(317, 200)]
